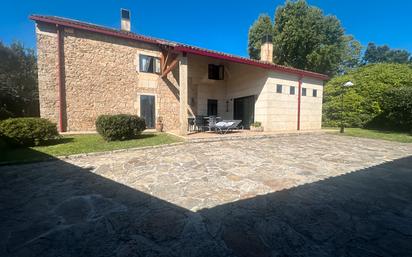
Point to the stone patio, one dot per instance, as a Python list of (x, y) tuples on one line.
[(295, 195)]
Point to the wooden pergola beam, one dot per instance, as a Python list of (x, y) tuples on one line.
[(170, 67)]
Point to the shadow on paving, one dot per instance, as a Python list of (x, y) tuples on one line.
[(58, 209)]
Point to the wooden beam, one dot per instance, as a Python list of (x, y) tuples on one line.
[(166, 60), (162, 61), (170, 67)]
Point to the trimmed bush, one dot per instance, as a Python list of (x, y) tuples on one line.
[(364, 103), (397, 108), (120, 126), (28, 131)]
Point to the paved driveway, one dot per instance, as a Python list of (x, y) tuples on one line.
[(299, 195)]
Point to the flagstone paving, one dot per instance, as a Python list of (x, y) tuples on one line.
[(297, 195)]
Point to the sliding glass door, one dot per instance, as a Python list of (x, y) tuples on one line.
[(244, 109)]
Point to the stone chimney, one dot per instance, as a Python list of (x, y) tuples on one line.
[(266, 50), (125, 19)]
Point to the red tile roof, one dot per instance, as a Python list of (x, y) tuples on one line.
[(176, 46)]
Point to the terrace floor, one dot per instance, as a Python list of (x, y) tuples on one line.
[(291, 195), (204, 136)]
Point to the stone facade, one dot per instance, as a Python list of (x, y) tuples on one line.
[(101, 76)]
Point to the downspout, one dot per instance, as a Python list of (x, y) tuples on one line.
[(299, 98), (60, 77)]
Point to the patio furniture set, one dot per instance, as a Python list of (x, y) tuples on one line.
[(213, 124)]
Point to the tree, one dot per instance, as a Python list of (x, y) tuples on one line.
[(352, 54), (381, 54), (305, 38), (365, 103), (18, 80), (260, 28)]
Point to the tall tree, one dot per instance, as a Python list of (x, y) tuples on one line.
[(260, 28), (18, 80), (307, 39), (382, 54), (352, 54)]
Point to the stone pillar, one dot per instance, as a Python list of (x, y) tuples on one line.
[(183, 85)]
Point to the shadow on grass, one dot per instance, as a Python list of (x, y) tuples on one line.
[(58, 141), (60, 209), (145, 135)]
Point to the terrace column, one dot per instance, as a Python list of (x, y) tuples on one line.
[(183, 81)]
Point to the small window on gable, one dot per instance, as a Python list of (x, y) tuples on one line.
[(303, 91), (216, 72), (292, 90), (315, 93), (279, 88), (149, 64)]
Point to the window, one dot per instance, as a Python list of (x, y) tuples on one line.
[(315, 93), (279, 88), (216, 72), (149, 64), (292, 90), (211, 107), (303, 91)]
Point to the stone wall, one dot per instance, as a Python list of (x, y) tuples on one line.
[(101, 77), (47, 72)]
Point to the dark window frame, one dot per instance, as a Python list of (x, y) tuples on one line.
[(279, 88), (292, 90), (304, 91), (152, 65), (216, 72), (315, 93)]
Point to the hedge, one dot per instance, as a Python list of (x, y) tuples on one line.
[(120, 126), (27, 131), (364, 103), (397, 108)]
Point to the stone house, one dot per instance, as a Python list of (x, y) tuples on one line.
[(86, 70)]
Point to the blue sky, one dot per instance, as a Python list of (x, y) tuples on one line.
[(215, 24)]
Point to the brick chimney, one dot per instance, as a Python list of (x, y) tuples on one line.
[(266, 50), (125, 19)]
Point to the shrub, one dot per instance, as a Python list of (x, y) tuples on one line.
[(397, 108), (119, 127), (27, 131), (364, 102)]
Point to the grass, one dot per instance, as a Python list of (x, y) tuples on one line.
[(77, 144), (402, 137)]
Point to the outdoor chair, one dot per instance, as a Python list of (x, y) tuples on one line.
[(199, 123), (211, 122), (222, 127)]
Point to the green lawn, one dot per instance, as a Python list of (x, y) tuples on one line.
[(76, 144), (375, 134)]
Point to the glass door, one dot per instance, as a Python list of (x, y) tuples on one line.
[(244, 109), (147, 110)]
